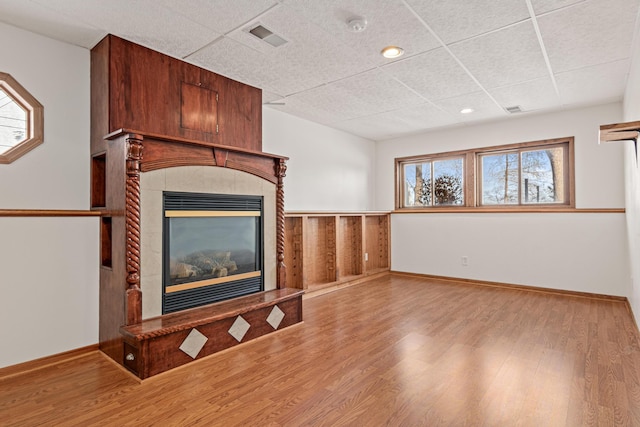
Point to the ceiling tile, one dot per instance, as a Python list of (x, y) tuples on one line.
[(42, 20), (396, 123), (544, 6), (509, 56), (361, 95), (483, 106), (239, 62), (529, 96), (333, 76), (434, 75), (221, 16), (589, 33), (389, 22), (455, 20), (331, 98), (379, 90), (297, 107), (308, 46), (593, 84), (142, 21)]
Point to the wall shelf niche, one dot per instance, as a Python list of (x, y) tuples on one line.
[(329, 249)]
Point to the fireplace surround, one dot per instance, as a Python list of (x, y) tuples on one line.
[(199, 180), (141, 150)]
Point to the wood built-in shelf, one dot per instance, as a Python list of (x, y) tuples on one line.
[(98, 180), (329, 249), (106, 231)]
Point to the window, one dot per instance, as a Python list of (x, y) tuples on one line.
[(21, 120), (434, 182), (518, 176)]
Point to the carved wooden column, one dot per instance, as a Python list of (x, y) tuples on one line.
[(281, 170), (132, 213)]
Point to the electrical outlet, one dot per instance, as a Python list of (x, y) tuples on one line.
[(366, 256), (465, 261)]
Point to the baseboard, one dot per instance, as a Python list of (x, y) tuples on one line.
[(512, 286), (43, 362)]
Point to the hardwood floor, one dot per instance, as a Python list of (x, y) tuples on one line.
[(396, 351)]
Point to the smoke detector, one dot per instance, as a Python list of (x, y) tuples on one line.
[(357, 24)]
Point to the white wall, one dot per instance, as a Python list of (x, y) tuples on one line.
[(49, 282), (328, 169), (49, 266), (573, 251), (48, 287), (632, 175), (55, 174)]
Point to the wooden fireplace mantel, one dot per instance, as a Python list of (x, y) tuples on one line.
[(147, 152), (162, 151)]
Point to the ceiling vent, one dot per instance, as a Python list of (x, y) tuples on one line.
[(514, 109), (267, 36)]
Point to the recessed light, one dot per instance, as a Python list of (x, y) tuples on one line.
[(466, 110), (392, 52)]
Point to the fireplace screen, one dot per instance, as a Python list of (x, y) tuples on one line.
[(212, 248)]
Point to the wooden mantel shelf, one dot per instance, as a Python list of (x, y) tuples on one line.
[(166, 138)]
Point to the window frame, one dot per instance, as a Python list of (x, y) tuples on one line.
[(35, 119), (472, 178)]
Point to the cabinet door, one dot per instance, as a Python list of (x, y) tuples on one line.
[(198, 98)]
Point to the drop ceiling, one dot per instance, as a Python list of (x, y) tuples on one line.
[(488, 55)]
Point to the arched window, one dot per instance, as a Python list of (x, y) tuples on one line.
[(21, 120)]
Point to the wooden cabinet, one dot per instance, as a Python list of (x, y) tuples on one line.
[(329, 249), (148, 91)]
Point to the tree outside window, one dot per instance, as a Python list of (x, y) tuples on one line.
[(523, 177), (434, 183)]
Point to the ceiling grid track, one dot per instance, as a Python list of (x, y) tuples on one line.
[(536, 28), (455, 58)]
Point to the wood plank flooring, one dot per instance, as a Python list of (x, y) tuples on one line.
[(396, 351)]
